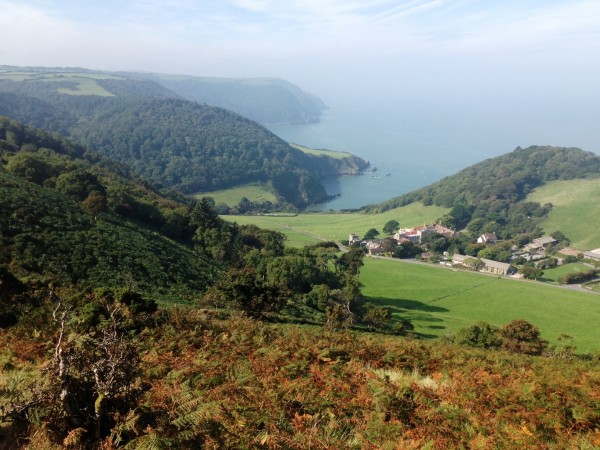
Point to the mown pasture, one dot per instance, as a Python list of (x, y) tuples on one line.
[(561, 271), (337, 226), (321, 152), (575, 211), (83, 83), (440, 301), (255, 192)]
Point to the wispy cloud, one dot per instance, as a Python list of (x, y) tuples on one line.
[(274, 34)]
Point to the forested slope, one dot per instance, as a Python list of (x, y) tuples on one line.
[(69, 216), (74, 218), (196, 147)]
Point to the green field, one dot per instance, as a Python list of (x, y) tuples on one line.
[(85, 82), (318, 152), (254, 192), (440, 301), (575, 212), (85, 86), (561, 271), (337, 226)]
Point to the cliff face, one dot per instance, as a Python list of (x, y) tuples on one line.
[(325, 166), (352, 165)]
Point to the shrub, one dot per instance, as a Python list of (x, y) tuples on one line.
[(519, 336), (481, 335)]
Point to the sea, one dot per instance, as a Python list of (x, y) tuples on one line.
[(412, 144)]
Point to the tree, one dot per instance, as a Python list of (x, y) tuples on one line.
[(403, 327), (475, 227), (519, 336), (95, 203), (391, 226), (531, 273), (202, 215), (570, 259), (474, 248), (92, 374), (549, 263), (388, 245), (460, 215), (78, 184), (435, 242), (377, 316), (248, 291), (338, 316), (406, 249), (481, 335), (371, 234), (351, 261), (319, 297), (30, 167)]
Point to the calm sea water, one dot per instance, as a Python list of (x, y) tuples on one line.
[(413, 146)]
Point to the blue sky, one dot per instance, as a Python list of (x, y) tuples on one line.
[(325, 46)]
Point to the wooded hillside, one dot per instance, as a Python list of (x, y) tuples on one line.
[(169, 141), (488, 196), (265, 100)]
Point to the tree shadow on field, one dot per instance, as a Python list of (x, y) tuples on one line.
[(414, 311), (403, 305)]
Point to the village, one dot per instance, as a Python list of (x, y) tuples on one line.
[(519, 261)]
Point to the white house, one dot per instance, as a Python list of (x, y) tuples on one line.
[(487, 238)]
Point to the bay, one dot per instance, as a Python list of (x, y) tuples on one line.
[(413, 143)]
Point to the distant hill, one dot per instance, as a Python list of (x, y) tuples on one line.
[(491, 194), (265, 100), (167, 140)]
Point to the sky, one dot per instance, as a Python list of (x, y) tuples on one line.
[(474, 52)]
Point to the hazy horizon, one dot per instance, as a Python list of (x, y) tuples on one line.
[(531, 68)]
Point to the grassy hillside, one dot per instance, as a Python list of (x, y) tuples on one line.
[(47, 82), (575, 210), (315, 151), (65, 82), (337, 227), (441, 301)]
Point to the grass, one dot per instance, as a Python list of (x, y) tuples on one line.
[(321, 152), (85, 86), (575, 212), (561, 271), (595, 286), (86, 82), (337, 226), (254, 192), (441, 301)]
